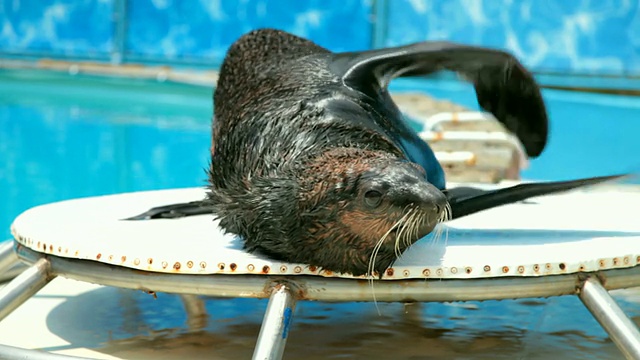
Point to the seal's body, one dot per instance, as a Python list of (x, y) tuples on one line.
[(312, 162)]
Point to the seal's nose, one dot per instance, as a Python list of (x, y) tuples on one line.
[(432, 198)]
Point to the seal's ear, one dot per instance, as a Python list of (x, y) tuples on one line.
[(503, 86)]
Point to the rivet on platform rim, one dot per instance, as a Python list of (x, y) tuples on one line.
[(521, 269), (616, 261), (266, 269), (150, 261), (406, 273), (297, 269), (98, 256), (164, 264), (136, 261), (562, 266), (390, 272), (220, 266), (233, 266), (250, 267), (548, 266), (602, 263), (283, 268), (487, 268), (312, 268), (110, 257), (123, 259), (177, 266), (505, 269), (468, 270), (426, 272), (189, 264), (626, 260), (536, 267), (204, 265), (439, 271), (454, 270)]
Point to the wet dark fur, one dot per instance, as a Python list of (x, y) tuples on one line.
[(304, 141), (272, 181)]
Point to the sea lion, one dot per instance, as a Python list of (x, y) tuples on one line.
[(312, 162)]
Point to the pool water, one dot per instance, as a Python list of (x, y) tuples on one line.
[(135, 325), (65, 137)]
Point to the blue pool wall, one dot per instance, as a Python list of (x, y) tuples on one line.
[(551, 36)]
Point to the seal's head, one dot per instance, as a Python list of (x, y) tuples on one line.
[(361, 209), (349, 210)]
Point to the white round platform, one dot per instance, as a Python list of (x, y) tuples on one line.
[(588, 230)]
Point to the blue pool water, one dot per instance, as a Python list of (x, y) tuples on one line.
[(64, 137)]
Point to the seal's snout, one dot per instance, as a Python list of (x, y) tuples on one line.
[(430, 198), (408, 187)]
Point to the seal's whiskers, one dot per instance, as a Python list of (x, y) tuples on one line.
[(448, 216), (444, 216), (374, 254), (418, 221), (404, 232)]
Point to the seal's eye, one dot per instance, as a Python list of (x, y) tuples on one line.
[(373, 198)]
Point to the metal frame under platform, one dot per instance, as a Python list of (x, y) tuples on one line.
[(284, 291)]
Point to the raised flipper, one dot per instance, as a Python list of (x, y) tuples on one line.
[(174, 211), (503, 86), (467, 200)]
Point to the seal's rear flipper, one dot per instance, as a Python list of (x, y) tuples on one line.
[(466, 200), (174, 211), (503, 86)]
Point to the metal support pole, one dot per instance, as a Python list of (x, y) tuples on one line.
[(24, 286), (8, 257), (620, 328), (197, 317), (275, 325)]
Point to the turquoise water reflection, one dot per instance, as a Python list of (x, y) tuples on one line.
[(67, 136), (64, 137), (133, 324)]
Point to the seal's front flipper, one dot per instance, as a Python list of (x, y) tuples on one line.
[(174, 211), (467, 200), (503, 86)]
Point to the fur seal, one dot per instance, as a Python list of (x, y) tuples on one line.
[(312, 162)]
